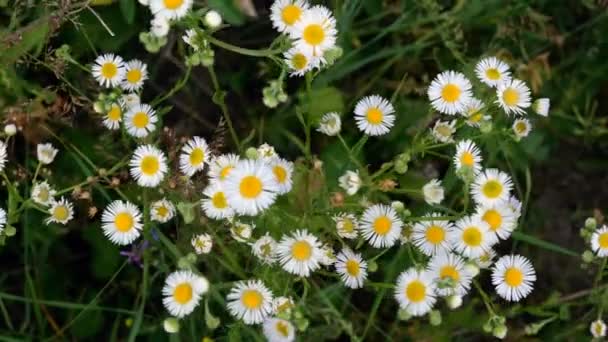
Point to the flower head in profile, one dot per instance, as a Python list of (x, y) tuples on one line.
[(46, 153), (330, 124), (541, 106), (350, 182), (265, 249), (433, 192)]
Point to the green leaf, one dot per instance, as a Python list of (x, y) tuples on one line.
[(127, 8), (211, 321), (333, 101), (187, 211), (543, 244)]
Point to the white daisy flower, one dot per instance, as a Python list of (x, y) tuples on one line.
[(328, 257), (241, 232), (351, 268), (2, 219), (515, 205), (121, 222), (282, 171), (467, 155), (433, 192), (472, 237), (415, 291), (43, 193), (432, 236), (330, 124), (346, 225), (491, 186), (315, 32), (521, 128), (451, 276), (215, 205), (250, 187), (443, 131), (46, 153), (182, 292), (599, 241), (3, 155), (170, 9), (130, 100), (109, 70), (266, 152), (265, 249), (300, 253), (374, 115), (473, 111), (300, 62), (278, 330), (194, 155), (113, 117), (486, 259), (541, 106), (162, 211), (598, 328), (61, 211), (381, 226), (350, 182), (492, 71), (250, 301), (499, 217), (513, 96), (202, 243), (140, 120), (514, 277), (449, 92), (148, 166), (285, 13), (136, 72), (282, 305), (160, 26), (220, 166)]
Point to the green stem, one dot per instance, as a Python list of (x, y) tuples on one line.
[(485, 298), (240, 50), (144, 286), (219, 99), (179, 85)]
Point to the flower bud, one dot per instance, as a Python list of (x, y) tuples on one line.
[(213, 19), (171, 325), (454, 301), (435, 317), (10, 129), (590, 223), (500, 331)]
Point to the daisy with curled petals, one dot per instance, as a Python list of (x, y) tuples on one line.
[(182, 292), (492, 71), (61, 211), (278, 330), (130, 100), (136, 72), (500, 218), (162, 211), (113, 117), (215, 204), (300, 253), (170, 9), (473, 111), (109, 70), (220, 166), (521, 128), (381, 226), (491, 186), (513, 96), (432, 235), (46, 153), (330, 124), (351, 268), (472, 237), (598, 328), (285, 13), (467, 155), (444, 130), (300, 62), (282, 171), (315, 32), (43, 193), (599, 241), (250, 301), (148, 166), (140, 120), (514, 277), (346, 225), (202, 243), (541, 106), (449, 92), (415, 291), (251, 187), (265, 249), (121, 222), (194, 155), (452, 277), (3, 155), (486, 259), (374, 115), (515, 205)]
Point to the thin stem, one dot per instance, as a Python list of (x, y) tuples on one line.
[(485, 298), (240, 50), (219, 99)]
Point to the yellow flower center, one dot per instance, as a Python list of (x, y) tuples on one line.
[(280, 173), (134, 75), (162, 211), (347, 225), (493, 74), (61, 213), (444, 130), (314, 34), (492, 189), (250, 187), (467, 159), (252, 299), (149, 165), (197, 156), (299, 61), (450, 93), (415, 291), (282, 328), (472, 236), (603, 240), (109, 70), (449, 272), (182, 293), (475, 117), (521, 127), (225, 171), (43, 195), (219, 200), (123, 222), (173, 4), (513, 277), (493, 218), (374, 116), (382, 225), (435, 234), (352, 267), (291, 14), (510, 96), (114, 113), (140, 120), (301, 250)]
